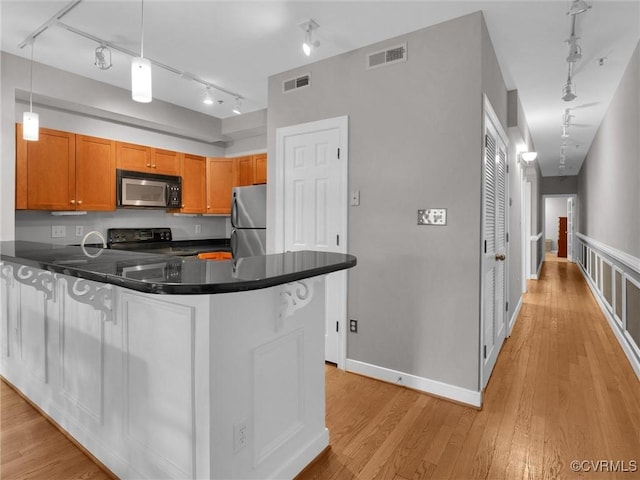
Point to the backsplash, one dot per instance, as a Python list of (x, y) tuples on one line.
[(36, 226)]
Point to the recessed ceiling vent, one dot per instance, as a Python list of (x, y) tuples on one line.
[(387, 57), (296, 83)]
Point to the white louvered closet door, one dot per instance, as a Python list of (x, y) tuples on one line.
[(494, 248)]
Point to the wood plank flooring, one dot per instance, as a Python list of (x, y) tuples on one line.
[(561, 390)]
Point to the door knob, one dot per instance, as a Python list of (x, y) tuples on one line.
[(500, 256)]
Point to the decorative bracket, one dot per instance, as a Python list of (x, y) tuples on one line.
[(6, 272), (41, 280), (294, 296), (91, 293)]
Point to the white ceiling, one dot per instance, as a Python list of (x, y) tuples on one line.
[(238, 44)]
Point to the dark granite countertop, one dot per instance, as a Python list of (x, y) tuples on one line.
[(166, 274)]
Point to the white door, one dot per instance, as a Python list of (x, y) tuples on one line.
[(315, 213), (570, 221), (494, 245)]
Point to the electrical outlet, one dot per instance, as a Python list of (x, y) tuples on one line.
[(353, 326), (58, 231), (355, 198), (198, 228), (240, 436), (79, 230)]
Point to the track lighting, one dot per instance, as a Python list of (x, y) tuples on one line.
[(103, 58), (565, 134), (141, 70), (568, 93), (575, 52), (308, 45), (578, 7), (208, 98), (30, 120), (238, 108)]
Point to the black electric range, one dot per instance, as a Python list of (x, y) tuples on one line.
[(160, 242)]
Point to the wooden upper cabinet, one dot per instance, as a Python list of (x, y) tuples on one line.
[(194, 184), (250, 169), (95, 173), (45, 171), (243, 167), (133, 157), (220, 180), (260, 168), (165, 162), (65, 171)]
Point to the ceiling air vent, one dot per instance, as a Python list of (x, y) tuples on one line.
[(295, 83), (387, 57)]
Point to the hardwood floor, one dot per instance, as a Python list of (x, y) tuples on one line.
[(561, 391)]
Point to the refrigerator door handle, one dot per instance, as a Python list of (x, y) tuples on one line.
[(233, 242), (234, 212)]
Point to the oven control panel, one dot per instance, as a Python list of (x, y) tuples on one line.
[(138, 235)]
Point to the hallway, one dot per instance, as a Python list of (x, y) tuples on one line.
[(562, 390)]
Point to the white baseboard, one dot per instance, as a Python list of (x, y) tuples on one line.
[(434, 387), (620, 336), (514, 316)]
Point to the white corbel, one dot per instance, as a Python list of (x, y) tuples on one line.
[(97, 295)]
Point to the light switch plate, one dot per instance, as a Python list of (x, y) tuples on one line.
[(58, 231), (432, 216), (355, 198)]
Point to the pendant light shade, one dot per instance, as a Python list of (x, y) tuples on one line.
[(30, 126), (141, 80)]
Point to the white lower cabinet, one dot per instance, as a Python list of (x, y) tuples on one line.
[(171, 386)]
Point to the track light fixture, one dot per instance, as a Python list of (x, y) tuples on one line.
[(30, 120), (238, 107), (103, 58), (208, 98), (575, 52), (309, 45), (578, 7), (141, 70)]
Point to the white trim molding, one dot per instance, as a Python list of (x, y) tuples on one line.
[(434, 387), (618, 255)]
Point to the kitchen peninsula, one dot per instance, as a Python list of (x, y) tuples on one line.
[(170, 367)]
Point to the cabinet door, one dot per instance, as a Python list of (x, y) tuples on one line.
[(95, 173), (243, 170), (219, 184), (45, 171), (165, 162), (133, 157), (194, 184), (260, 168)]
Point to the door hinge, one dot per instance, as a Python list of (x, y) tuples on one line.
[(507, 238), (485, 351), (507, 168), (338, 154), (485, 246), (337, 326), (507, 307), (337, 239)]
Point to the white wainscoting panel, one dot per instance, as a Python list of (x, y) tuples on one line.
[(159, 385), (32, 331), (278, 401)]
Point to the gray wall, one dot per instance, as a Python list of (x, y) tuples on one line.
[(415, 141), (609, 180), (560, 185)]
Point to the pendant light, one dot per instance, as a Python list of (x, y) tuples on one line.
[(30, 120), (141, 70)]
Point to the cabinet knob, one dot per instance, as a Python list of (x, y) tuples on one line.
[(153, 166), (182, 206), (72, 202), (149, 165), (79, 202)]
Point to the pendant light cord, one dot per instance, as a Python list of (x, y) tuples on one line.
[(31, 80), (141, 28)]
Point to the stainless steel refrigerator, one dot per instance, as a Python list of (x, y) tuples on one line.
[(248, 221)]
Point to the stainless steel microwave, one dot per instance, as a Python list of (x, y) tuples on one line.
[(139, 189)]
